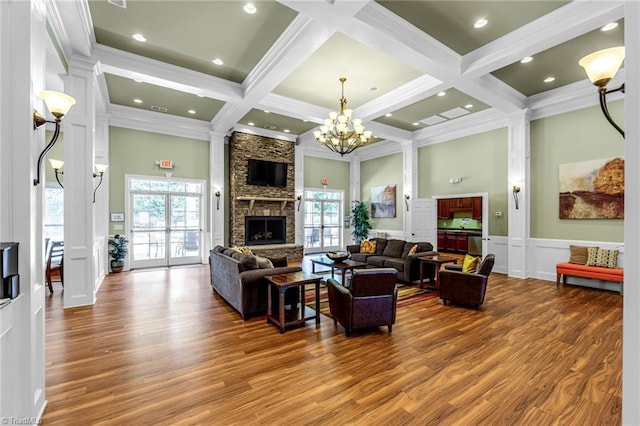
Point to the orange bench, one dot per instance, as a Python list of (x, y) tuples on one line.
[(594, 272)]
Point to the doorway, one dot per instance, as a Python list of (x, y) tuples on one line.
[(323, 213), (165, 221)]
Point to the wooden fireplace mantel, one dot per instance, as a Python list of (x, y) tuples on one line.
[(252, 200)]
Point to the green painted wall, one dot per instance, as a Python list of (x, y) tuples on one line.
[(481, 161), (135, 152), (380, 172), (579, 135), (337, 171)]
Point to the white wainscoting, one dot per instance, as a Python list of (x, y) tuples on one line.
[(499, 247)]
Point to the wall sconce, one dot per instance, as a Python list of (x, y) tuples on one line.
[(407, 197), (299, 200), (59, 104), (217, 194), (56, 165), (516, 190), (601, 67), (101, 169)]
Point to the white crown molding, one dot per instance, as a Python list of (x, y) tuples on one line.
[(71, 21), (264, 132), (129, 65), (293, 108), (468, 125), (157, 122), (379, 149)]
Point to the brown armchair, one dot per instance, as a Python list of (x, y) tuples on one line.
[(464, 287), (369, 301)]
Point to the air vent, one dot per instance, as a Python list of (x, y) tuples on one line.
[(157, 108), (119, 3), (270, 127)]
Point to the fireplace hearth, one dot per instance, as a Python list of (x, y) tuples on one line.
[(261, 230)]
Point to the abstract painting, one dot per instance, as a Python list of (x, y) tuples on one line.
[(383, 201), (592, 189)]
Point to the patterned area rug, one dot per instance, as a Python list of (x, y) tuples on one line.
[(407, 295)]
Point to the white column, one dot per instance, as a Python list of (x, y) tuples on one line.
[(79, 147), (299, 191), (101, 210), (22, 72), (631, 313), (217, 205), (354, 177), (518, 171), (409, 178)]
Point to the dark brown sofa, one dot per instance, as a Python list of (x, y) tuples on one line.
[(240, 281), (395, 254), (370, 300)]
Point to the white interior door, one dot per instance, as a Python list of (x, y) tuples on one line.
[(425, 221)]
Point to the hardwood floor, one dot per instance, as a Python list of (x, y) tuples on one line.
[(159, 347)]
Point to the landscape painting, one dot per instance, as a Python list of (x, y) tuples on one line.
[(383, 201), (592, 189)]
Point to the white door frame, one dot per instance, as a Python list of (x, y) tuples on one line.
[(485, 214)]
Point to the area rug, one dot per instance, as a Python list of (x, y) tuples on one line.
[(407, 295)]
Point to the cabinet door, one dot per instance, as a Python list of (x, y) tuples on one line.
[(455, 203), (441, 240), (477, 208), (466, 202), (462, 243), (443, 209), (450, 241)]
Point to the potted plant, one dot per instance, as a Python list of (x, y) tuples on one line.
[(117, 250), (360, 221)]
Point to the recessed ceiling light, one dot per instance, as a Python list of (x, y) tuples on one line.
[(549, 79), (251, 123), (442, 94), (137, 81), (192, 111), (266, 112), (139, 37), (249, 8), (609, 26), (480, 23), (286, 130), (416, 124), (217, 61), (468, 106), (200, 96), (526, 60), (306, 121), (388, 114), (138, 101)]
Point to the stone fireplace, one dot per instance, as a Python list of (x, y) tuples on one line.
[(262, 216)]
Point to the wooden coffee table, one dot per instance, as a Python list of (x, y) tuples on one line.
[(343, 267), (438, 261), (282, 282)]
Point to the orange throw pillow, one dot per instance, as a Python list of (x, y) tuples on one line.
[(367, 246)]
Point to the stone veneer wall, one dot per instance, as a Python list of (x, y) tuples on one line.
[(242, 147)]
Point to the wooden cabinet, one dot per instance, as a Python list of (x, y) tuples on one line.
[(443, 208), (476, 212), (462, 242), (441, 240), (450, 241)]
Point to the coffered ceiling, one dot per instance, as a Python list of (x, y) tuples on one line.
[(410, 65)]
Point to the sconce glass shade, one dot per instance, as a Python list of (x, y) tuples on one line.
[(56, 164), (602, 66), (58, 103), (101, 168)]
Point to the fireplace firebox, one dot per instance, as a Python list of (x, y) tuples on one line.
[(265, 230)]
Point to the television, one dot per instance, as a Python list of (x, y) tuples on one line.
[(266, 173)]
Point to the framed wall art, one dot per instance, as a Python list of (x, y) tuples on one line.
[(383, 201)]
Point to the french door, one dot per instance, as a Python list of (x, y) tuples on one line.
[(165, 221), (323, 215)]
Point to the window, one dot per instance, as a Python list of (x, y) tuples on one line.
[(54, 212)]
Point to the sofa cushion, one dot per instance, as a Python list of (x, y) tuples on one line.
[(424, 247), (219, 249), (264, 262), (398, 264), (394, 248), (381, 244), (361, 257), (248, 261), (409, 248), (376, 260), (229, 252)]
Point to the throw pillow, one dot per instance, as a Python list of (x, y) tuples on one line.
[(245, 250), (592, 256), (470, 263), (578, 254), (414, 249), (607, 258), (264, 263), (367, 246)]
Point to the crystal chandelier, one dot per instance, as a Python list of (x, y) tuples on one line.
[(340, 133)]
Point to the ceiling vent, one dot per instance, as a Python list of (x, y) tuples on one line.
[(157, 108), (270, 127), (119, 3)]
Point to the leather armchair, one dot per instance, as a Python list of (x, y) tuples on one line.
[(369, 301), (466, 288)]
